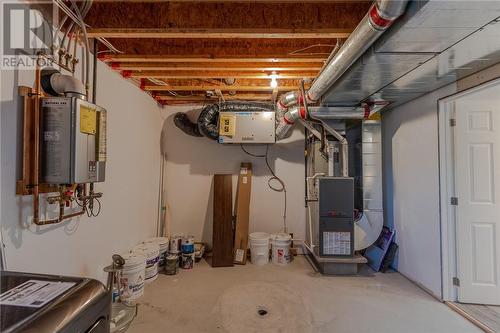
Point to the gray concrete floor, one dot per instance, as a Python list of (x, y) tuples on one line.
[(296, 299)]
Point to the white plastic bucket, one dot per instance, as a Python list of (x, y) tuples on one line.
[(259, 248), (281, 248), (163, 243), (152, 253), (133, 276)]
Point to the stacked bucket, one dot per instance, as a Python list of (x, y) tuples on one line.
[(151, 257)]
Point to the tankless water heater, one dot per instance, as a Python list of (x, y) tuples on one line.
[(73, 141)]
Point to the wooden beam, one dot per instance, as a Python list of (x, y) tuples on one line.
[(235, 1), (230, 66), (222, 88), (218, 75), (228, 14), (200, 98), (153, 58), (257, 33)]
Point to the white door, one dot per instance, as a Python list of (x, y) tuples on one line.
[(477, 186)]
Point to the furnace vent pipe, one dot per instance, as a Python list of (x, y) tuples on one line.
[(55, 83), (381, 15)]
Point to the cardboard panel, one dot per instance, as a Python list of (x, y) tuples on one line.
[(242, 212)]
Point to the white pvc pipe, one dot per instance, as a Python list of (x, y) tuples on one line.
[(66, 84)]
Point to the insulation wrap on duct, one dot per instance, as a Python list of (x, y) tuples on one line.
[(286, 119), (208, 120), (182, 122), (379, 18)]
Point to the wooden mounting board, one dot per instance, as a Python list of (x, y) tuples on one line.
[(24, 185), (222, 238)]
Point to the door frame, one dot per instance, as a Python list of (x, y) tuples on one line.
[(446, 110)]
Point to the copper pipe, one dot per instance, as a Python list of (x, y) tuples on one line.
[(61, 210), (36, 149), (60, 218)]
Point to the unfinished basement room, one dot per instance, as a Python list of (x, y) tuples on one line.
[(258, 166)]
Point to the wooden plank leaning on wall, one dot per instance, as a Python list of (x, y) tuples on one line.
[(222, 239)]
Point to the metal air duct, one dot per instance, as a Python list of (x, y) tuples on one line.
[(380, 16)]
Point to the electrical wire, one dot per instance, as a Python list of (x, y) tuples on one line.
[(301, 51), (87, 48), (90, 212), (99, 208), (282, 186)]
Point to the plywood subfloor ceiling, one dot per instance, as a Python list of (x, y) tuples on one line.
[(196, 51)]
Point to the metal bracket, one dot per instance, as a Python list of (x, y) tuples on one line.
[(453, 122), (456, 281), (454, 201)]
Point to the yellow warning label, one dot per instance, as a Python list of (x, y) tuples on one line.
[(88, 120), (227, 125)]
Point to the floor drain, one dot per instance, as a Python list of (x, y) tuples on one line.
[(262, 312)]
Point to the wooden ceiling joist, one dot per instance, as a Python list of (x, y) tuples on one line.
[(222, 88), (220, 33), (228, 67), (201, 98), (153, 58), (188, 47), (197, 15), (218, 75)]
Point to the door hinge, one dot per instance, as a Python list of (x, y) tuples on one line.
[(453, 122), (456, 282), (454, 201)]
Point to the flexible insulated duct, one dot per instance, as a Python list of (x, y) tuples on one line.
[(208, 120), (182, 122), (286, 120)]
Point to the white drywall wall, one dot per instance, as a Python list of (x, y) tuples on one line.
[(83, 246), (191, 163), (411, 181)]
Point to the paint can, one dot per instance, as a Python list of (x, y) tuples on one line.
[(187, 246), (188, 239), (163, 244), (187, 260), (259, 248), (175, 243), (133, 276), (152, 253), (281, 248), (171, 264)]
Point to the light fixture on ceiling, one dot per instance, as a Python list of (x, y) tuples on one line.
[(274, 81)]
